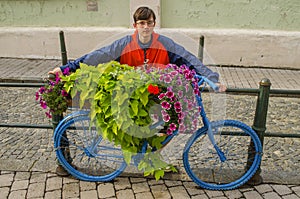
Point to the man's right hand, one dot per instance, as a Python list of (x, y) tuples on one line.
[(56, 70)]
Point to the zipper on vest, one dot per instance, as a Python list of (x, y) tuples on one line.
[(145, 59)]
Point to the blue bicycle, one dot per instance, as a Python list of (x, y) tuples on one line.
[(215, 157)]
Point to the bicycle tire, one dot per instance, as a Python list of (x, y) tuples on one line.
[(204, 166), (92, 158)]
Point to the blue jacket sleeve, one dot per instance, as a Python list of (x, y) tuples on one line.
[(102, 55), (179, 55)]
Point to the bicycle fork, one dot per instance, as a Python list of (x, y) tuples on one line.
[(210, 133)]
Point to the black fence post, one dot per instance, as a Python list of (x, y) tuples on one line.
[(63, 50), (259, 124), (201, 48), (57, 118)]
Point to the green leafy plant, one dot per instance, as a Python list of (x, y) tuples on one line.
[(127, 104)]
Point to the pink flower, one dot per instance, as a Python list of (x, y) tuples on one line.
[(169, 132), (180, 94), (66, 71), (167, 79), (43, 104), (177, 105), (161, 96), (170, 94), (166, 105), (37, 96), (42, 90), (166, 118), (172, 127), (48, 114)]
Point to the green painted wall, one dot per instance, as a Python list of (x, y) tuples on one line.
[(63, 13), (241, 14)]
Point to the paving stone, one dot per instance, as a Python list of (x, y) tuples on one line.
[(145, 195), (53, 194), (6, 180), (291, 196), (17, 194), (211, 193), (20, 184), (122, 183), (296, 190), (233, 194), (263, 188), (137, 180), (36, 190), (4, 191), (22, 176), (252, 194), (53, 183), (140, 187), (271, 195), (192, 188), (127, 193), (160, 191), (88, 194), (86, 186), (38, 177), (282, 189), (106, 190), (70, 190), (173, 183), (201, 196), (178, 192)]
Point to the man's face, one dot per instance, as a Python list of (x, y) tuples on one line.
[(145, 27)]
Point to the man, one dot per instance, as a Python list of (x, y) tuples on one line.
[(144, 48)]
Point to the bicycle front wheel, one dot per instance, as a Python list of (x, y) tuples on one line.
[(84, 153), (205, 168)]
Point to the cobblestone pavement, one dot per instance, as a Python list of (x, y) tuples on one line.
[(27, 159)]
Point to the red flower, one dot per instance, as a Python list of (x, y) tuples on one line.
[(153, 89)]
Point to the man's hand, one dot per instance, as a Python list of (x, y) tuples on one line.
[(222, 87), (56, 70)]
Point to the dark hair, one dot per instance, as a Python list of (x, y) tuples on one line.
[(143, 13)]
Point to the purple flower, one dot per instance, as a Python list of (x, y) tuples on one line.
[(48, 114), (167, 79), (37, 96), (178, 110), (161, 96), (172, 127), (166, 105), (177, 105), (42, 90), (170, 94), (166, 118), (64, 93), (57, 78), (66, 71), (182, 128), (180, 94), (169, 132), (43, 104)]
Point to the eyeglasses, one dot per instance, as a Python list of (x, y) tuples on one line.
[(143, 23)]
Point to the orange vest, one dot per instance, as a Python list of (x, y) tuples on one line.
[(155, 56)]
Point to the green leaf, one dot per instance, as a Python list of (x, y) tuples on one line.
[(134, 106), (158, 174), (144, 98)]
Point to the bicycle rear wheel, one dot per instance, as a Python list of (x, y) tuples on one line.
[(204, 166), (84, 153)]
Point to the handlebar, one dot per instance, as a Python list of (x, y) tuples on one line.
[(203, 79)]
